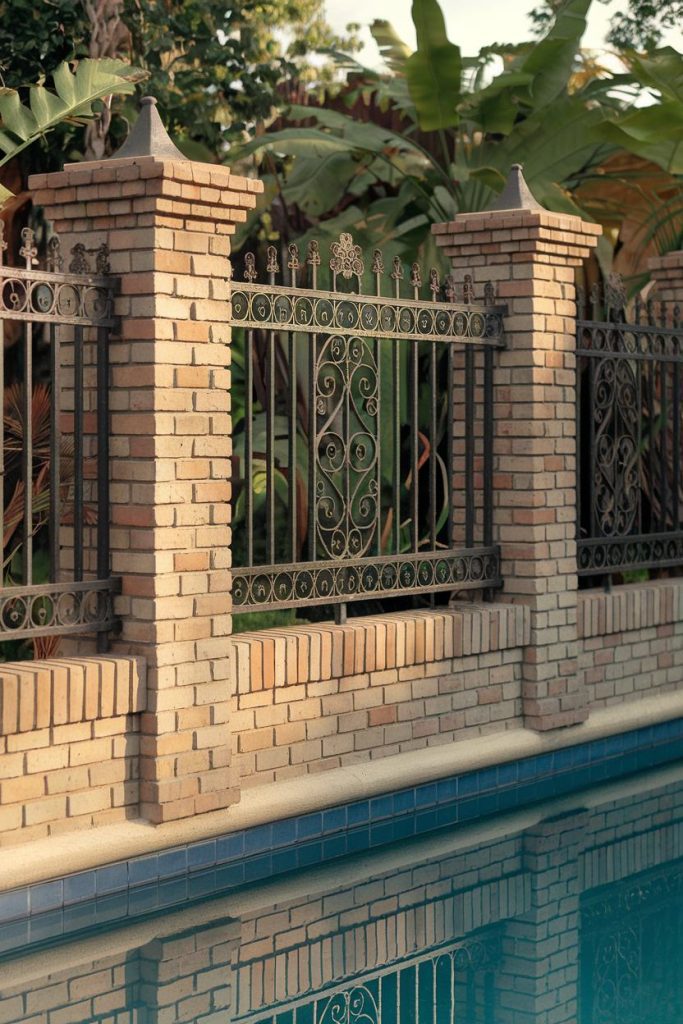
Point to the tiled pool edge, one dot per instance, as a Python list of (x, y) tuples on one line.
[(140, 884)]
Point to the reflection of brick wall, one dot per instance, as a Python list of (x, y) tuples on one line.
[(96, 989), (631, 641), (374, 687), (69, 744)]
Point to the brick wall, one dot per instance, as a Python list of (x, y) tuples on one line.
[(631, 641), (69, 744), (313, 698)]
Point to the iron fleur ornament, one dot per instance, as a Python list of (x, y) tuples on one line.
[(346, 258)]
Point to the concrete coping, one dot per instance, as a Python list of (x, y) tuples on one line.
[(44, 859)]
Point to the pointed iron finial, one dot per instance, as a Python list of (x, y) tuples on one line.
[(416, 278), (3, 243), (249, 267), (148, 137), (516, 194), (434, 283), (467, 290), (489, 294), (55, 260), (28, 250), (79, 260), (272, 265), (102, 264), (449, 288)]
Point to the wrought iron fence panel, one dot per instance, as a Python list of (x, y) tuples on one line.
[(54, 454), (629, 452), (345, 454)]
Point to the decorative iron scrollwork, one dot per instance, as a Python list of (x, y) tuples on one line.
[(56, 610), (357, 1006), (346, 258), (28, 250)]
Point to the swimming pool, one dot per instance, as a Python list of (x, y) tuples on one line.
[(565, 910)]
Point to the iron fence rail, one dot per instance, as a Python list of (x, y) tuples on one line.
[(345, 458), (630, 495), (69, 312)]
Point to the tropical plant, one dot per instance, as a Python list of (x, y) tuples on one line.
[(445, 130), (71, 102), (638, 25)]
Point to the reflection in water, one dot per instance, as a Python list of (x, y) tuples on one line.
[(563, 913)]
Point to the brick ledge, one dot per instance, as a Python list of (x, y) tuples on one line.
[(630, 607)]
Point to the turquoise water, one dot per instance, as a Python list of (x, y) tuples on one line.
[(564, 911)]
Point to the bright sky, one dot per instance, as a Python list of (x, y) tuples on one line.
[(470, 24)]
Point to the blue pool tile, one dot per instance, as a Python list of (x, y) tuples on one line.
[(79, 887), (284, 861), (143, 869), (201, 883), (172, 891), (382, 833), (201, 855), (310, 853), (404, 801), (447, 789), (507, 774), (13, 934), (425, 796), (334, 819), (310, 825), (79, 915), (425, 821), (381, 807), (358, 840), (46, 926), (258, 840), (404, 827), (109, 908), (468, 784), (230, 875), (172, 862), (284, 832), (229, 847), (112, 878), (447, 815), (487, 779), (46, 896), (13, 904), (257, 868), (334, 847), (358, 813), (143, 899)]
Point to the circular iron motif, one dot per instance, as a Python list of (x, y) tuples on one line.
[(240, 306)]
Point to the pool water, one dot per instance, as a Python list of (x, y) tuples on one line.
[(565, 911)]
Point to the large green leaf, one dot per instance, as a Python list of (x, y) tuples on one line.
[(393, 50), (76, 91), (552, 60), (434, 71)]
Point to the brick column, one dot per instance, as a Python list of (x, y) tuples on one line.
[(167, 222), (530, 256), (667, 275)]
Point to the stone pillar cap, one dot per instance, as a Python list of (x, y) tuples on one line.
[(148, 136), (516, 195)]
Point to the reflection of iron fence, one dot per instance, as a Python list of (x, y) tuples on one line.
[(53, 439), (357, 472), (630, 492)]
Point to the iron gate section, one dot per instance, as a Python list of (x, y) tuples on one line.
[(44, 470), (630, 493), (356, 494)]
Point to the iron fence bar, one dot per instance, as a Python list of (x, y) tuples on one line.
[(293, 521), (27, 460), (636, 357), (591, 447), (433, 453), (414, 444), (396, 371), (55, 451), (38, 609), (469, 447), (651, 431), (639, 399), (2, 441), (488, 448), (248, 443), (676, 445), (78, 454), (102, 466), (270, 447), (663, 465), (450, 430), (312, 497)]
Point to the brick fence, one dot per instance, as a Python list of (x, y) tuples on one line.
[(207, 714)]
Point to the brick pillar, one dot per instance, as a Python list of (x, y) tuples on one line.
[(541, 948), (167, 222), (667, 276), (530, 256)]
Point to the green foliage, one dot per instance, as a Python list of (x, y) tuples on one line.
[(442, 132), (71, 102), (639, 25)]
